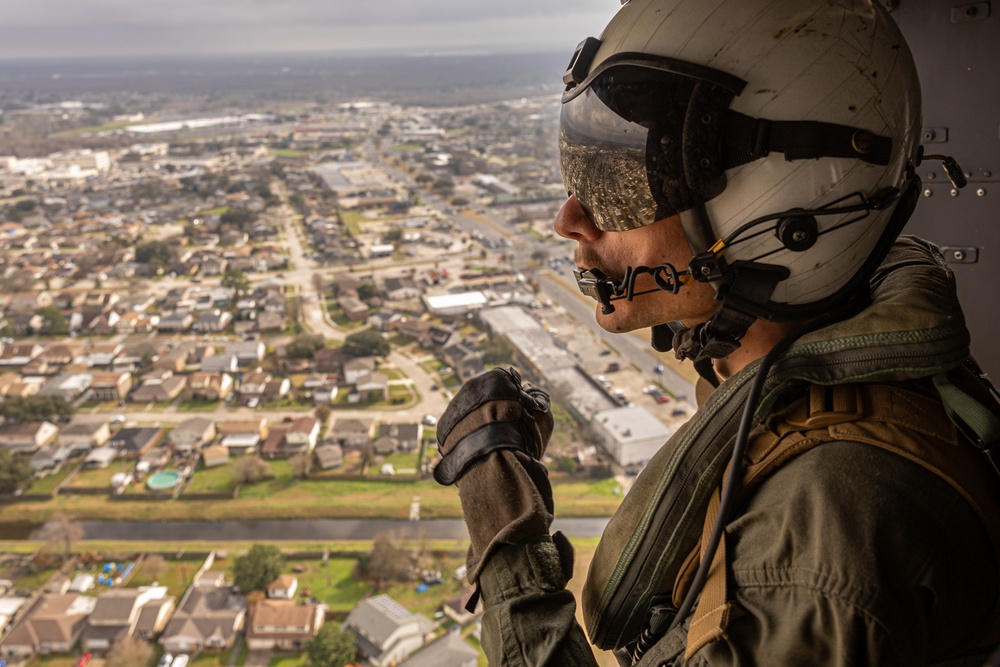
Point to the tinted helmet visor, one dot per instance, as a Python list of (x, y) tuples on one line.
[(640, 141)]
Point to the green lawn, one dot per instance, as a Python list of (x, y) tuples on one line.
[(213, 659), (428, 602), (212, 480), (54, 661), (49, 483), (198, 406), (176, 575), (335, 584), (294, 660), (99, 478), (34, 581)]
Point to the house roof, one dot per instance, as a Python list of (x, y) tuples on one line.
[(329, 456), (285, 614), (348, 427), (283, 582), (377, 618), (114, 607), (448, 651), (303, 425)]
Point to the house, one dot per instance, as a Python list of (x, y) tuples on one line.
[(101, 457), (175, 360), (49, 459), (353, 432), (373, 387), (242, 436), (283, 588), (254, 383), (329, 456), (400, 288), (117, 612), (407, 435), (220, 363), (133, 322), (248, 353), (456, 607), (213, 321), (302, 435), (83, 435), (132, 443), (52, 625), (27, 437), (19, 354), (192, 434), (110, 386), (412, 328), (274, 444), (330, 360), (358, 368), (448, 651), (214, 456), (205, 386), (175, 322), (283, 624), (101, 355), (159, 387), (353, 308), (206, 618), (271, 322), (276, 389), (68, 386), (61, 354), (385, 631)]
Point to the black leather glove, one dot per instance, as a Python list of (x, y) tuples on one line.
[(492, 437), (492, 411)]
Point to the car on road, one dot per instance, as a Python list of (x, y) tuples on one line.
[(658, 368), (117, 419), (429, 420), (662, 398)]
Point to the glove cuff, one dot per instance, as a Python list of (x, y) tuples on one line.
[(477, 445)]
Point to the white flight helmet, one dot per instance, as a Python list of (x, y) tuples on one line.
[(784, 133)]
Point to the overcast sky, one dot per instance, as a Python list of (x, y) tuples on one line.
[(38, 28)]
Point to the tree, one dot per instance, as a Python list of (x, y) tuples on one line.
[(154, 567), (498, 351), (300, 464), (385, 561), (249, 470), (15, 471), (236, 281), (367, 291), (323, 413), (60, 533), (368, 343), (128, 652), (258, 567), (54, 321), (304, 346), (35, 408), (146, 253), (332, 647)]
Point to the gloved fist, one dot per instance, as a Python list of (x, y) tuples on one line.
[(491, 412)]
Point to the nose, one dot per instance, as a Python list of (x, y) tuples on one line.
[(573, 223)]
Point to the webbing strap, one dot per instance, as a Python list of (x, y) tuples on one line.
[(877, 415), (711, 616)]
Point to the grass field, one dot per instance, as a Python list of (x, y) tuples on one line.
[(213, 480), (285, 498), (49, 483), (336, 584), (175, 575)]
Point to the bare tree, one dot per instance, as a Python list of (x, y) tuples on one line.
[(154, 567), (60, 532), (386, 560), (300, 464), (249, 470), (129, 652)]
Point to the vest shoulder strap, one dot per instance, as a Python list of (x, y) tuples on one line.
[(907, 419)]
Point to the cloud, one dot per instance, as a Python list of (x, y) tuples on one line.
[(132, 27)]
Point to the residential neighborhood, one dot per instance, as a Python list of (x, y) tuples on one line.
[(244, 317)]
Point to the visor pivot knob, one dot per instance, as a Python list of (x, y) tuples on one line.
[(797, 233)]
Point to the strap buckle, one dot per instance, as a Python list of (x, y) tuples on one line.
[(828, 405)]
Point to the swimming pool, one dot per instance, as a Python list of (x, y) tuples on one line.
[(161, 481)]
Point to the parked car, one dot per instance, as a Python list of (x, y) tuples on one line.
[(662, 398), (165, 660), (180, 661), (429, 420), (117, 419), (84, 659)]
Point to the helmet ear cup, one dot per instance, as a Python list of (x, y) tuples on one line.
[(798, 233)]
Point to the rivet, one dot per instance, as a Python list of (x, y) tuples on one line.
[(981, 192), (799, 235), (929, 135), (931, 176), (987, 174), (928, 192), (958, 255), (968, 174), (954, 192), (705, 163), (705, 270)]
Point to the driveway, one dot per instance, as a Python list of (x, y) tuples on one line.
[(258, 659)]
